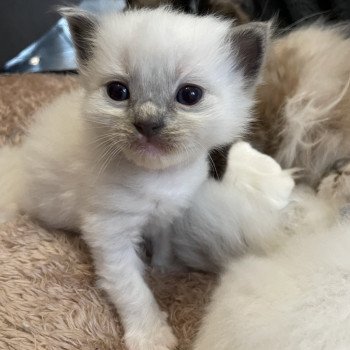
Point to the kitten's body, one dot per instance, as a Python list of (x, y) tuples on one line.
[(295, 296), (122, 163), (63, 186)]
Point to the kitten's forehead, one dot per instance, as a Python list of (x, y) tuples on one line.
[(147, 44)]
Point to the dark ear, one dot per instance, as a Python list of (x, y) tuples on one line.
[(250, 43), (82, 26)]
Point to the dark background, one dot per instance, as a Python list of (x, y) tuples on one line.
[(24, 21)]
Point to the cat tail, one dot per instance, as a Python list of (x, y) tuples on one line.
[(11, 181)]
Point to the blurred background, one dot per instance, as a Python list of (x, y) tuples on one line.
[(35, 39)]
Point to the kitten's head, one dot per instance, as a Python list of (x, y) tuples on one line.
[(164, 87)]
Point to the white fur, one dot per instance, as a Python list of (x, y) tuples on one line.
[(241, 212), (73, 178), (296, 295)]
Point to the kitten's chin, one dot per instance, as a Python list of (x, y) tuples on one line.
[(154, 160)]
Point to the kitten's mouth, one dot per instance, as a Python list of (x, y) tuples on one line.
[(150, 146), (157, 152)]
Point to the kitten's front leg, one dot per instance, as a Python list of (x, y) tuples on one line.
[(161, 251), (112, 239)]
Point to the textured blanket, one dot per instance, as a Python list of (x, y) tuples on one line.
[(48, 299)]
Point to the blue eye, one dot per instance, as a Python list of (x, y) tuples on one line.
[(189, 95), (117, 91)]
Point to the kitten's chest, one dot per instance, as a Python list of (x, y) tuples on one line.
[(170, 191), (150, 195), (168, 202)]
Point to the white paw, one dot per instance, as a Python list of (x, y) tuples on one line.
[(258, 175), (158, 336)]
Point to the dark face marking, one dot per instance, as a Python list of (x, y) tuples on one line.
[(218, 162), (249, 42)]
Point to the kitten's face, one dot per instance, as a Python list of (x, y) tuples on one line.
[(162, 88)]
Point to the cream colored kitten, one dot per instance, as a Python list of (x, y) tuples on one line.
[(296, 295), (303, 105), (121, 157)]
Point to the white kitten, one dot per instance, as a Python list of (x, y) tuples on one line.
[(297, 295), (122, 157)]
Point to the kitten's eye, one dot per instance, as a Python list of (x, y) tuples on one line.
[(117, 91), (189, 95)]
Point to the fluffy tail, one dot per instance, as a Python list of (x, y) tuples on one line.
[(11, 181)]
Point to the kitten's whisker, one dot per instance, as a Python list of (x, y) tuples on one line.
[(213, 165), (107, 156), (264, 9), (100, 142), (301, 20), (114, 154), (187, 153), (209, 158), (103, 158)]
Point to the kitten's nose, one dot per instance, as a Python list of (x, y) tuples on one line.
[(149, 128)]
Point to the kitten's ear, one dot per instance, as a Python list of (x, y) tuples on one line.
[(82, 26), (250, 42)]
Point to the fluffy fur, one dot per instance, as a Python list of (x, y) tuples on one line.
[(238, 214), (303, 106), (84, 165), (296, 294), (297, 297)]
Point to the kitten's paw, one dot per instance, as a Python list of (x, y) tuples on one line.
[(158, 336), (335, 185), (258, 175)]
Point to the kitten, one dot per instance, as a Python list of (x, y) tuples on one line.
[(122, 156), (303, 107), (296, 296)]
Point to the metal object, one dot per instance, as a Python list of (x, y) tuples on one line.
[(54, 52)]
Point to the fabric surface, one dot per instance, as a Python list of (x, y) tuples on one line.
[(47, 295)]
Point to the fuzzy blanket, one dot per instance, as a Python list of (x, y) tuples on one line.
[(48, 299)]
